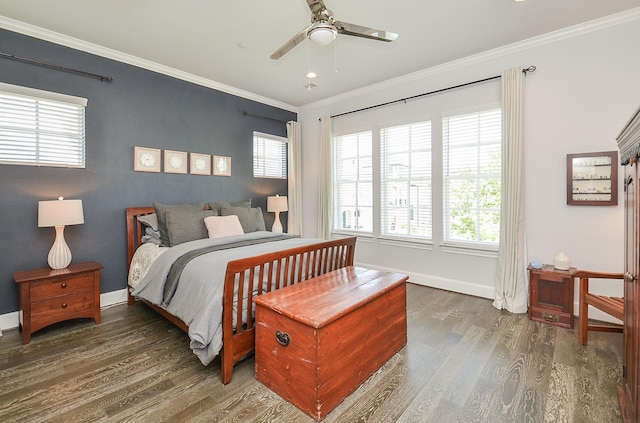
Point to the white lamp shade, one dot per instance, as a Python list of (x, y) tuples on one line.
[(60, 213), (322, 34), (277, 204)]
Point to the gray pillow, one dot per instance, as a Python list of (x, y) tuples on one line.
[(161, 211), (251, 219), (184, 226), (150, 220), (218, 205)]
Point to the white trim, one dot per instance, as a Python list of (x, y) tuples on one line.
[(75, 43), (108, 299), (42, 94), (461, 287), (551, 37)]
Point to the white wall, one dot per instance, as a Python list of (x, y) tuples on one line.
[(584, 90)]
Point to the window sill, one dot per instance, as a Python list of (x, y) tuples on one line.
[(468, 249), (407, 242)]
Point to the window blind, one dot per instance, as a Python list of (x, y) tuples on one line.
[(353, 182), (269, 156), (406, 180), (41, 128), (471, 176)]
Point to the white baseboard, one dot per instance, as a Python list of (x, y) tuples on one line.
[(461, 287), (108, 299)]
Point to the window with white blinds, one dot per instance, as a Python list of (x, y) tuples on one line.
[(269, 156), (353, 182), (406, 180), (41, 128), (471, 176)]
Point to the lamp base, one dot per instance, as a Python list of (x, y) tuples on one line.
[(277, 226), (60, 254)]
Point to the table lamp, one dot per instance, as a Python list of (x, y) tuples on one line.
[(277, 204), (59, 213)]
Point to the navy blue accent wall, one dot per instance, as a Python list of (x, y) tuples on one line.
[(138, 108)]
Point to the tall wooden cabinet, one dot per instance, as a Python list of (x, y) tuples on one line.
[(629, 392)]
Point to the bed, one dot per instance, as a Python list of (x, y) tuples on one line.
[(233, 273)]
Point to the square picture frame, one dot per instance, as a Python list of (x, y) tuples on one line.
[(200, 164), (222, 166), (175, 161), (146, 159)]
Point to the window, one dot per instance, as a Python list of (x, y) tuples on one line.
[(41, 128), (406, 180), (471, 160), (269, 156), (353, 182)]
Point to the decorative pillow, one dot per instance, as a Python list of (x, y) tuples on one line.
[(151, 236), (251, 219), (221, 226), (161, 211), (184, 226), (150, 220), (218, 205)]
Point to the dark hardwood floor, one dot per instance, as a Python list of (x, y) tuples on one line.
[(465, 362)]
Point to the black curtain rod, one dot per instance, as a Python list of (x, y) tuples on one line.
[(404, 100), (246, 113), (57, 67)]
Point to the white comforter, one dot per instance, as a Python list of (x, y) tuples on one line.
[(198, 299)]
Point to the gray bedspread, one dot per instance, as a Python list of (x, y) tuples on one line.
[(197, 300)]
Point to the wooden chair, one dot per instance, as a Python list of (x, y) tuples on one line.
[(613, 306)]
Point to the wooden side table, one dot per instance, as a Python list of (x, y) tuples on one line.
[(551, 295), (49, 296)]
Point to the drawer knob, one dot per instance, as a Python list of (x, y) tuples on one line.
[(64, 305), (63, 285), (550, 317), (282, 338)]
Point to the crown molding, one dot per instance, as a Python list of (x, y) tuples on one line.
[(551, 37), (77, 44)]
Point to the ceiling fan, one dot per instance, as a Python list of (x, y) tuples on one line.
[(324, 29)]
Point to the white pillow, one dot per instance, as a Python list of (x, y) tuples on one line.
[(221, 226)]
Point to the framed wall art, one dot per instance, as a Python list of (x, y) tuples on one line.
[(221, 166), (146, 159), (175, 161), (200, 164), (592, 179)]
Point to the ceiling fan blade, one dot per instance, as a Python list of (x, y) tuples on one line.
[(365, 32), (297, 39)]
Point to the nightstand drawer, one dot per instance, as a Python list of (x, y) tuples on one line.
[(61, 286), (62, 306)]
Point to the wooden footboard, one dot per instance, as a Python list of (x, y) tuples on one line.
[(246, 278), (262, 273)]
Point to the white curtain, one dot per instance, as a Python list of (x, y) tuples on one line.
[(511, 289), (294, 178), (325, 189)]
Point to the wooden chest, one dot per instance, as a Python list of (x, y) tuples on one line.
[(318, 340)]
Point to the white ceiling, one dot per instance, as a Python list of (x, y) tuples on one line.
[(229, 42)]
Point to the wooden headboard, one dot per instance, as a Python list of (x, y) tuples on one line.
[(135, 229)]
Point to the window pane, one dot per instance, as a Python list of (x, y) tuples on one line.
[(269, 156), (40, 131), (406, 180), (352, 182), (472, 164)]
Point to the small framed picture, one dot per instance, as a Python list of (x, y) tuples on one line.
[(222, 165), (592, 179), (175, 161), (146, 159), (200, 164)]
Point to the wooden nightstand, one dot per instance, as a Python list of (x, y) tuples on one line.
[(551, 295), (49, 296)]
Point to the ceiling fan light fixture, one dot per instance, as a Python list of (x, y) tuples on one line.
[(322, 33)]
